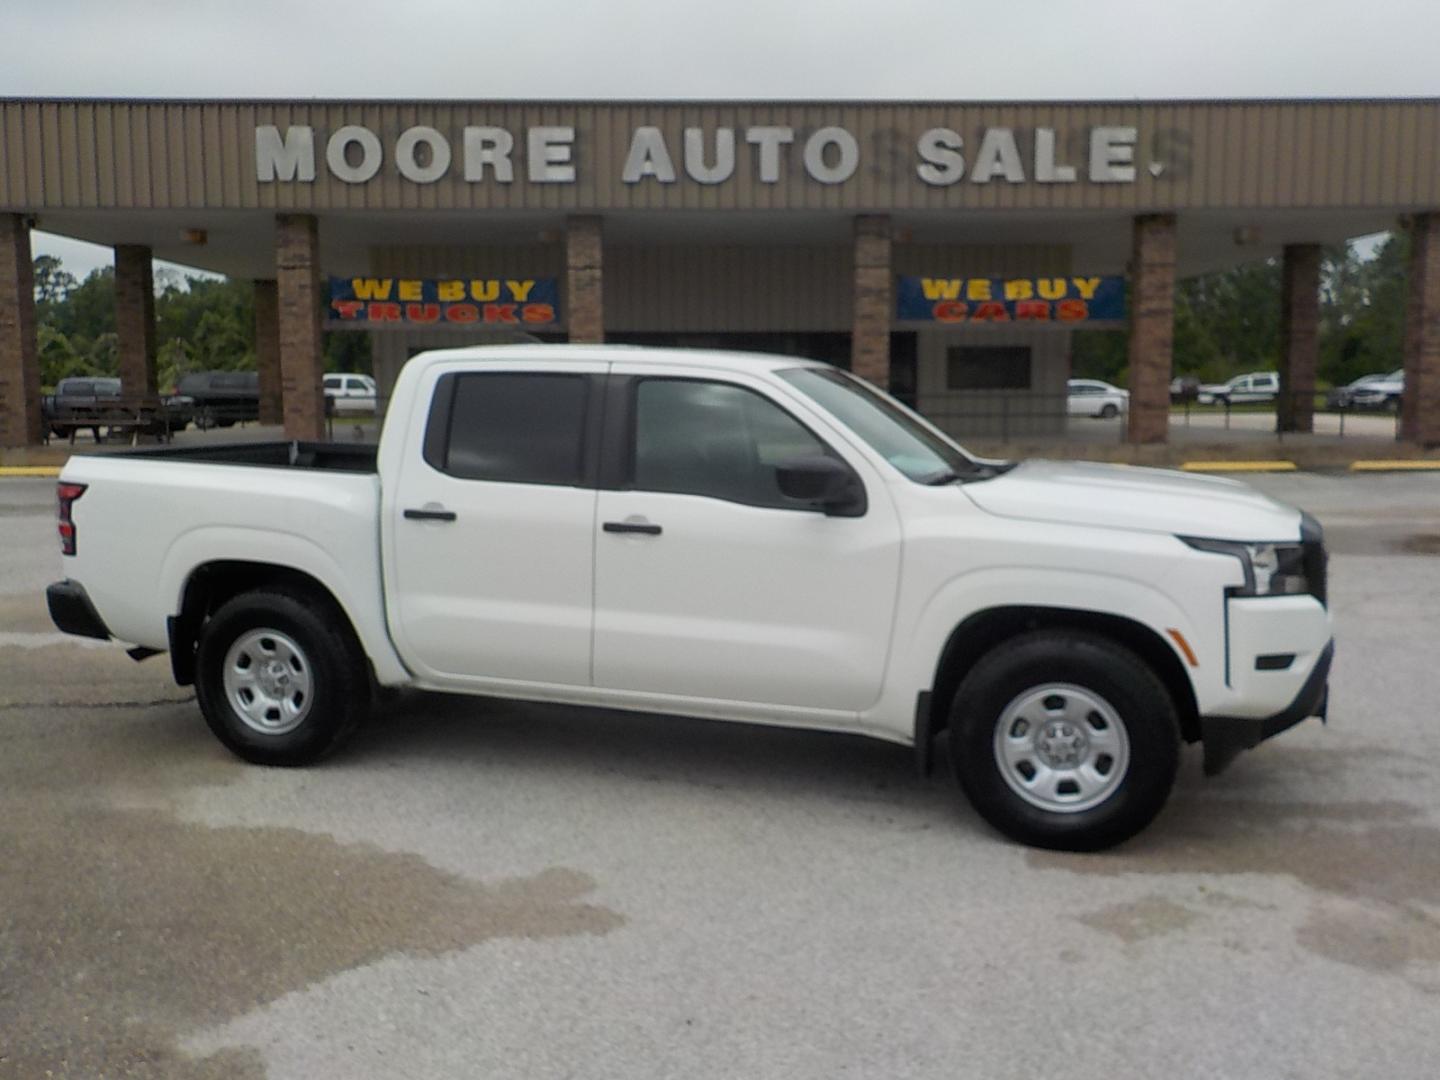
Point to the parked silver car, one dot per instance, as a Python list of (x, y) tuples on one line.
[(1381, 390)]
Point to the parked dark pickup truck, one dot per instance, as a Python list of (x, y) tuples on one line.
[(101, 402), (222, 398)]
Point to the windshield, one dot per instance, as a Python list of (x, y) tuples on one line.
[(919, 453)]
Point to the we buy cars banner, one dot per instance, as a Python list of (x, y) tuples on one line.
[(1001, 300), (371, 303)]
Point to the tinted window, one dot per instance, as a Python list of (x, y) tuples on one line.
[(332, 382), (514, 428), (706, 438), (987, 367)]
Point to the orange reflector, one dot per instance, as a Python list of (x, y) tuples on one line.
[(1184, 646)]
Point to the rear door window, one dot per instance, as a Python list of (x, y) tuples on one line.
[(510, 427)]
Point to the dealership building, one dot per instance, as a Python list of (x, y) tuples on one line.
[(946, 250)]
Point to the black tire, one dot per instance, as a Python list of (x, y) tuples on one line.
[(1109, 412), (331, 663), (1091, 666)]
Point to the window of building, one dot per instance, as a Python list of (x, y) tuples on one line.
[(694, 437), (987, 367), (512, 428)]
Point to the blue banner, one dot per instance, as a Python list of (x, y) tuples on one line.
[(371, 301), (1066, 300)]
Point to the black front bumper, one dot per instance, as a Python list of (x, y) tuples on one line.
[(72, 611), (1226, 736)]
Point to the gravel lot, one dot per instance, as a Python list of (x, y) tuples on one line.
[(478, 889)]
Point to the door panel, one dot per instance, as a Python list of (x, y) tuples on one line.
[(733, 601), (503, 591)]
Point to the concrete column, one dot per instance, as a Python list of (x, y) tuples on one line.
[(1299, 337), (584, 255), (267, 351), (870, 330), (135, 318), (1152, 327), (1420, 405), (19, 364), (297, 281)]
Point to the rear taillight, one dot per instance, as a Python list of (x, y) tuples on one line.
[(66, 494)]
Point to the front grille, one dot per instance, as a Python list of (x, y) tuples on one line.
[(1312, 540)]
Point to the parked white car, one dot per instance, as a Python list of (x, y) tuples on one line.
[(758, 539), (1092, 397), (351, 393), (1254, 386)]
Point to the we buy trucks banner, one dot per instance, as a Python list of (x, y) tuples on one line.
[(1001, 300), (370, 303)]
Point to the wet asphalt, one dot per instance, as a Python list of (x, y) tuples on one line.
[(478, 889)]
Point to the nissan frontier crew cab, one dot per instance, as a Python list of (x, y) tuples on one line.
[(740, 537)]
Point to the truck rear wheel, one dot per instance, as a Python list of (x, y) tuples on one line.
[(280, 677), (1065, 740)]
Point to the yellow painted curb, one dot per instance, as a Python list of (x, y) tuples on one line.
[(29, 470), (1239, 466), (1381, 465)]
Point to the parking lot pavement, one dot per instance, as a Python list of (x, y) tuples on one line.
[(480, 889)]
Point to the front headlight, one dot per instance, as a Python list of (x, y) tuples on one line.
[(1270, 569)]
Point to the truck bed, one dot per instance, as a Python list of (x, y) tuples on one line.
[(334, 457), (147, 518)]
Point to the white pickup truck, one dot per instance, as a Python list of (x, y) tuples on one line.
[(740, 537)]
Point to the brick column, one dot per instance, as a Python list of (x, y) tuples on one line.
[(870, 330), (584, 255), (135, 317), (297, 281), (267, 351), (1152, 327), (19, 365), (1420, 405), (1299, 337)]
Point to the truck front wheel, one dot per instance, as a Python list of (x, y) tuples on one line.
[(280, 678), (1064, 740)]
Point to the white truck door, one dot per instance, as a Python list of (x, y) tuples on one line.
[(710, 584), (492, 525)]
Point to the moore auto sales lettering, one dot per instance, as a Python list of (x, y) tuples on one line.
[(355, 154)]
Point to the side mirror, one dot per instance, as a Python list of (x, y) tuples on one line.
[(824, 482)]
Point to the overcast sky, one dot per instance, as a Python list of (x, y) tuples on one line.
[(768, 49)]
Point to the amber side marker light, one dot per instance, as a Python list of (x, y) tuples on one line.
[(66, 494), (1184, 646)]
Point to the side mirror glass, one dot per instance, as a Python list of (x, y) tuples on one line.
[(823, 482)]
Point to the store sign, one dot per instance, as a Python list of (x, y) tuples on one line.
[(372, 302), (1010, 299), (831, 154)]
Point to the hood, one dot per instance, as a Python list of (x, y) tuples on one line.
[(1148, 500)]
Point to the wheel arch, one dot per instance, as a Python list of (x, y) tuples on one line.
[(985, 630), (212, 584)]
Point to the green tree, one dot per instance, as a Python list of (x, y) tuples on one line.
[(52, 282), (58, 358), (1362, 311)]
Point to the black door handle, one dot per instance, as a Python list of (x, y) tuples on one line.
[(643, 527), (429, 515)]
